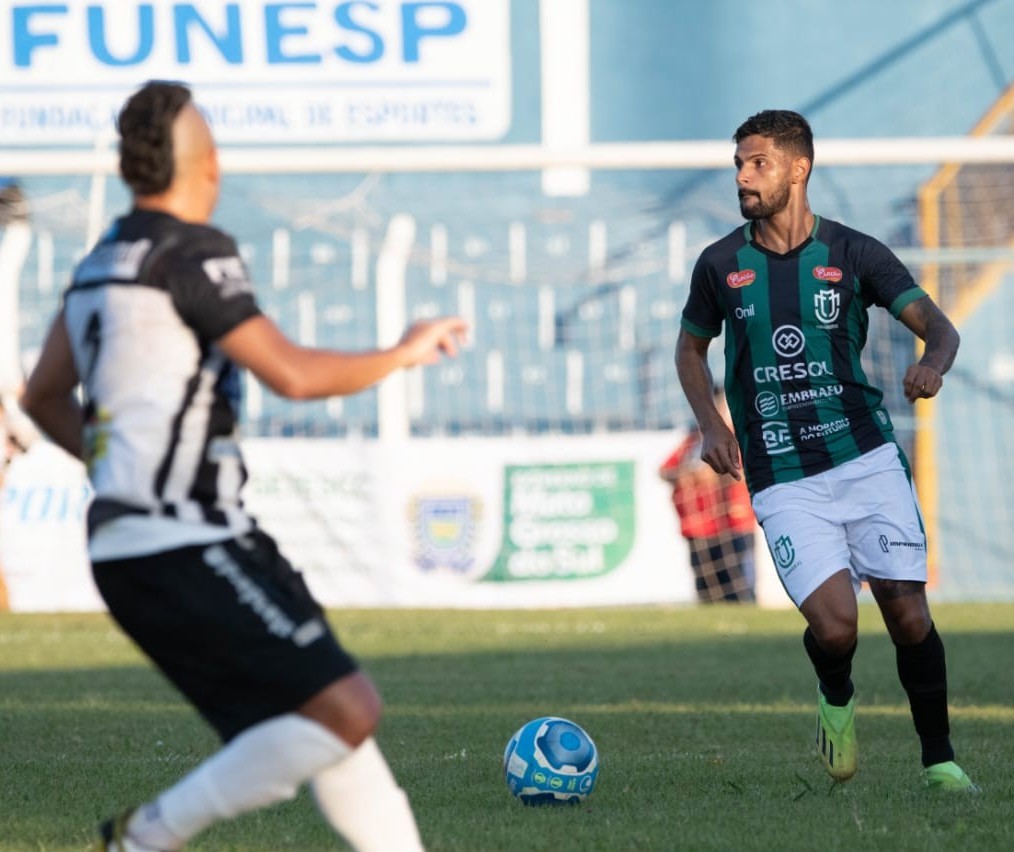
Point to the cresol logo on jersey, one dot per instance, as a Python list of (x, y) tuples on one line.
[(299, 71)]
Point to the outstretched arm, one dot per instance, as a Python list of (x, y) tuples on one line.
[(718, 444), (941, 339), (298, 372)]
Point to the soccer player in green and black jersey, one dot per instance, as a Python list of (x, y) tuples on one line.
[(830, 486)]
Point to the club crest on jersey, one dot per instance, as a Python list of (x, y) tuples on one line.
[(742, 278), (827, 273), (826, 305)]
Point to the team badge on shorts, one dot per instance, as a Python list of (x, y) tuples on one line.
[(784, 554)]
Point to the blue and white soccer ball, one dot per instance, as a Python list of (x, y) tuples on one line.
[(550, 761)]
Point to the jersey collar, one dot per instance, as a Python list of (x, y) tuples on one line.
[(748, 236)]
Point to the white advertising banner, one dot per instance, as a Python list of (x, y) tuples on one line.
[(484, 522), (263, 70), (43, 557), (480, 523)]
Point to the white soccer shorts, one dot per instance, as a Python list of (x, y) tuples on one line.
[(862, 515)]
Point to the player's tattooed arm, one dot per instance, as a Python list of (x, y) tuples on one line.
[(932, 326), (941, 339)]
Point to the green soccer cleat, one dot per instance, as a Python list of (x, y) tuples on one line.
[(836, 737), (948, 776)]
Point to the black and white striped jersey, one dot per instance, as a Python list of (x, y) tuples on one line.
[(143, 312)]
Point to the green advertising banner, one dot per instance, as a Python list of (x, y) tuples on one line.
[(565, 522)]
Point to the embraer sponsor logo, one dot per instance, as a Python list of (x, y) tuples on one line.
[(743, 278), (792, 399), (827, 273), (768, 404)]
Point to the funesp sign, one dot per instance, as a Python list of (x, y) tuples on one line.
[(265, 71), (269, 34)]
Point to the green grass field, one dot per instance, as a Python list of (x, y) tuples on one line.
[(703, 718)]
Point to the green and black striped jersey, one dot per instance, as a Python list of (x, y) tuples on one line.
[(795, 325)]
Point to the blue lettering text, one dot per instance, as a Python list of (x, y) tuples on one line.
[(25, 41), (229, 43), (275, 32), (414, 32), (145, 36), (343, 16), (124, 35)]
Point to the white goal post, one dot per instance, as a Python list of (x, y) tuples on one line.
[(705, 154)]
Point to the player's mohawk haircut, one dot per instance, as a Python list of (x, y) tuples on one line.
[(789, 131), (146, 141)]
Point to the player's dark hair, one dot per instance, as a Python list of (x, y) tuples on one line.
[(146, 139), (787, 129)]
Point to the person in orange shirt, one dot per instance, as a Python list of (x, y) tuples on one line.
[(716, 520)]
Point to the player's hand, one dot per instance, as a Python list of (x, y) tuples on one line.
[(921, 382), (424, 341), (720, 450)]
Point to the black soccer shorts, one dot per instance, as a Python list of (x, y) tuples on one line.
[(232, 625)]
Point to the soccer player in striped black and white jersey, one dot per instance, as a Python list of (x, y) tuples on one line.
[(829, 484), (158, 320)]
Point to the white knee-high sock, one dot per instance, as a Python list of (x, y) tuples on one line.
[(265, 764), (361, 799)]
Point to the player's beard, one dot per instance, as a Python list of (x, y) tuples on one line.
[(764, 209)]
